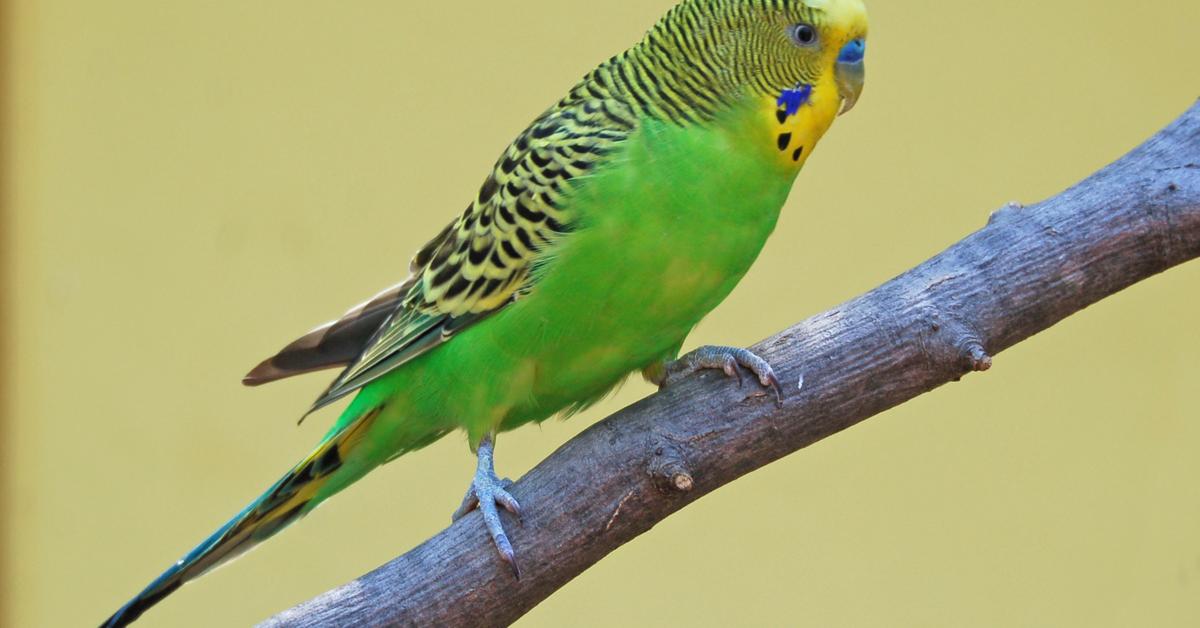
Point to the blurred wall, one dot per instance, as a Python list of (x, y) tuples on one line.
[(6, 242), (197, 182)]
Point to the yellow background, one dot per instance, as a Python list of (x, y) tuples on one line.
[(194, 183)]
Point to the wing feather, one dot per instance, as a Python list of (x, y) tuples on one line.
[(482, 261), (336, 343)]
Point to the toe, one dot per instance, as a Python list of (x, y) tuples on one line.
[(731, 369), (772, 382), (491, 518), (508, 502), (469, 503), (762, 370), (757, 365)]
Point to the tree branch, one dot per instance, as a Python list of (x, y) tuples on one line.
[(1029, 268)]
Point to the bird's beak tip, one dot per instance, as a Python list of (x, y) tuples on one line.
[(850, 84)]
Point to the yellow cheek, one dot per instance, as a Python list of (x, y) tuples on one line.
[(792, 138)]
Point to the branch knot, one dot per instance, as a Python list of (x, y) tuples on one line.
[(956, 341), (668, 467)]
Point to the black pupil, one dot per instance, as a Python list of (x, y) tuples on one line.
[(805, 34)]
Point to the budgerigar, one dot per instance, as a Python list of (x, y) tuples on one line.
[(603, 234)]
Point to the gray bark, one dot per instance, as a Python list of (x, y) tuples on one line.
[(1029, 268)]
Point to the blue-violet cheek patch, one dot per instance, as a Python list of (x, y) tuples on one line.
[(792, 99)]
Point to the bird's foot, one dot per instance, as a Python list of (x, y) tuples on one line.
[(486, 492), (727, 359)]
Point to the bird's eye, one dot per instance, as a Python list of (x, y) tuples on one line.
[(804, 35)]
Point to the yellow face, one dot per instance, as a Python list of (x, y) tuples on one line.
[(830, 42), (795, 136)]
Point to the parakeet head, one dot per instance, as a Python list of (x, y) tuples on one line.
[(821, 34), (785, 49), (789, 48)]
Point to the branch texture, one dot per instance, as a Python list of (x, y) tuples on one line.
[(1029, 268)]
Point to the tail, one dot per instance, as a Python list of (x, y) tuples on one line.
[(310, 482)]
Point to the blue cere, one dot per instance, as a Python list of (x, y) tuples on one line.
[(853, 51), (792, 99)]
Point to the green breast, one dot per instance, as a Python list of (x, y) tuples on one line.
[(664, 233)]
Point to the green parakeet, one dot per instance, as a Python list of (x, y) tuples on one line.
[(621, 216)]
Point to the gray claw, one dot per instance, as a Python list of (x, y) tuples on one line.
[(485, 493), (728, 359)]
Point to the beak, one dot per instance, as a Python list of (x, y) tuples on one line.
[(850, 72)]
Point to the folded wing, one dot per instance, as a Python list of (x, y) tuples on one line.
[(478, 264)]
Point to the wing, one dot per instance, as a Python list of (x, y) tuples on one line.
[(336, 343), (479, 263), (340, 342)]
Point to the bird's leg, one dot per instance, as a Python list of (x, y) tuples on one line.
[(485, 493), (727, 359)]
